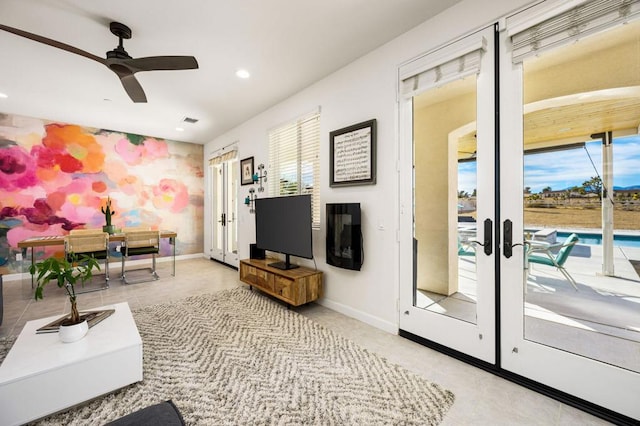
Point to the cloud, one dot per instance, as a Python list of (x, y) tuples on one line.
[(564, 169)]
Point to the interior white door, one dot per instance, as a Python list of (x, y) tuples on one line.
[(447, 253)]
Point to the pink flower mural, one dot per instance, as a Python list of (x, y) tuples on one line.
[(17, 169), (58, 183), (170, 194), (148, 150)]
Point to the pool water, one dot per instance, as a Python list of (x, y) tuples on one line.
[(596, 239)]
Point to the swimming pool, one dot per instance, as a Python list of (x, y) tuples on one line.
[(596, 239)]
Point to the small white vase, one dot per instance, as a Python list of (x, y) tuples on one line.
[(74, 332)]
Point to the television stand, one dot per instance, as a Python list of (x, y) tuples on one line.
[(283, 266), (286, 265), (293, 286)]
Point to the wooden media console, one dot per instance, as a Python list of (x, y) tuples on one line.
[(293, 286)]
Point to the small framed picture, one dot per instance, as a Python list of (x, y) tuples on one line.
[(246, 171)]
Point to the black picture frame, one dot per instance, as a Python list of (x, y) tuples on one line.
[(353, 155), (246, 171)]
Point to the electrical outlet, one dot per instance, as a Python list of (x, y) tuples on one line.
[(19, 257)]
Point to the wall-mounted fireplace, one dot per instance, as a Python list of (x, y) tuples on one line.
[(344, 236)]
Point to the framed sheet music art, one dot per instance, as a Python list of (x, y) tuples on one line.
[(353, 155)]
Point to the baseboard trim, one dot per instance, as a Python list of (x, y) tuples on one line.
[(115, 264), (228, 265), (359, 315)]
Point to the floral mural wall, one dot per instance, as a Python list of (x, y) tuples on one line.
[(55, 177)]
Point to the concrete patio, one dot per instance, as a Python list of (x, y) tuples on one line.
[(600, 320)]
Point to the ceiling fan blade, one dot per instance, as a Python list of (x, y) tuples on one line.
[(133, 88), (50, 42), (160, 63)]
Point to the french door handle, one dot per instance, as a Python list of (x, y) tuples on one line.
[(508, 245), (488, 237)]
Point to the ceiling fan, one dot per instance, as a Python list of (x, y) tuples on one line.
[(118, 60)]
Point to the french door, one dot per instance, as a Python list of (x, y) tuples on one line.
[(520, 243), (224, 238), (570, 295), (447, 196)]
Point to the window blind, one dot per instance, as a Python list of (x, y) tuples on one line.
[(294, 165), (455, 62), (539, 28), (223, 157)]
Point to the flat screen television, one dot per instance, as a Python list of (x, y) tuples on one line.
[(283, 225)]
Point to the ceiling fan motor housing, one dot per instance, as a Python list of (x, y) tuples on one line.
[(122, 32)]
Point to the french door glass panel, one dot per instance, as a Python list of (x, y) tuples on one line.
[(571, 311), (231, 227), (447, 153), (217, 245)]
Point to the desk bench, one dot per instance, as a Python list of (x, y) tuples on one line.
[(58, 240)]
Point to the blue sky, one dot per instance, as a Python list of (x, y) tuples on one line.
[(564, 169)]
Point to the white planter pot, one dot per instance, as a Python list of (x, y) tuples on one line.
[(73, 333)]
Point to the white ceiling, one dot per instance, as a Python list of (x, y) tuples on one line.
[(286, 45)]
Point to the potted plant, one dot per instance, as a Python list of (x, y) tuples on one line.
[(67, 272), (106, 210)]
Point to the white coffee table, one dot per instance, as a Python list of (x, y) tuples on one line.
[(42, 375)]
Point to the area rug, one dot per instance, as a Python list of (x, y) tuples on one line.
[(238, 357)]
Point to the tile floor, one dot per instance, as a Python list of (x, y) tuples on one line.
[(481, 398)]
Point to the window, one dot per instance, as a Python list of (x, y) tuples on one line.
[(294, 161)]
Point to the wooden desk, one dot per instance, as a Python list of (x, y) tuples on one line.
[(3, 271), (58, 240)]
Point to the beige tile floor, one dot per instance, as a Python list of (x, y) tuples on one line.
[(481, 398)]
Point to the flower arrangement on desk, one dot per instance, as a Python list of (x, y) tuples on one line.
[(67, 272), (106, 210)]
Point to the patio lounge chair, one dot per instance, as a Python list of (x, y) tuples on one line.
[(465, 249), (558, 260)]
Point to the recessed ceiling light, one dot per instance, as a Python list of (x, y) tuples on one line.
[(242, 73), (179, 129), (3, 95)]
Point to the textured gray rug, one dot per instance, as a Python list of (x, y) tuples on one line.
[(237, 357)]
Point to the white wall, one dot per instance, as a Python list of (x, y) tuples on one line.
[(363, 90)]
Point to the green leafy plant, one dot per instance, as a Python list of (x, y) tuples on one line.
[(106, 210), (67, 272)]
